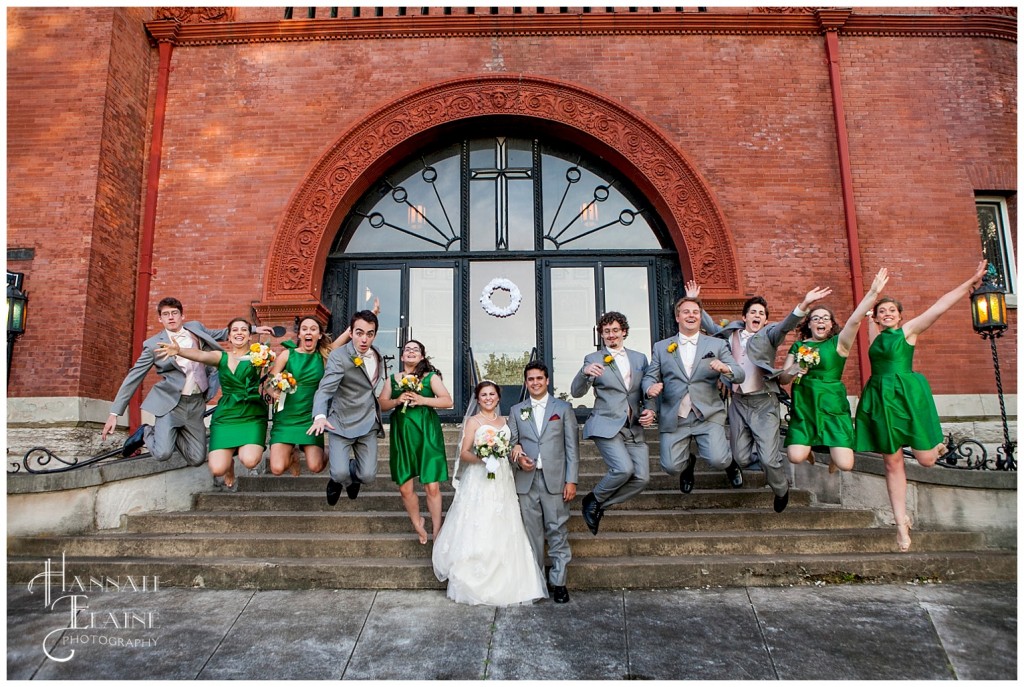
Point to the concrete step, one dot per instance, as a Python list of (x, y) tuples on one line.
[(659, 481), (587, 573), (388, 501), (626, 545), (615, 520)]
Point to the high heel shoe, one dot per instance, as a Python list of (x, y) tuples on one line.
[(832, 467), (903, 543), (810, 458), (295, 468)]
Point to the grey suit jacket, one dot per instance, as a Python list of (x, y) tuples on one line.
[(762, 346), (347, 395), (166, 393), (613, 400), (558, 444), (668, 368)]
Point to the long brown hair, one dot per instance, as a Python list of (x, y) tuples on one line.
[(323, 347)]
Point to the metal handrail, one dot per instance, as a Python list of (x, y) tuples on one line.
[(37, 458)]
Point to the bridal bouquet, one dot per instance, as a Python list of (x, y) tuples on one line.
[(490, 445), (409, 383), (807, 358), (286, 384)]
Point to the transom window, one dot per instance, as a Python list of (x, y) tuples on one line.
[(520, 194)]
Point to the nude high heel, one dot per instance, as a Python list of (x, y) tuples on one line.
[(903, 542)]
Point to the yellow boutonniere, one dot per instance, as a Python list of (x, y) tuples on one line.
[(672, 347), (357, 361), (608, 360)]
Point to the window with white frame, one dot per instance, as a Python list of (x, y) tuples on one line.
[(997, 241)]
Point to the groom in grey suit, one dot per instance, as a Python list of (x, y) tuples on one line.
[(683, 375), (178, 400), (546, 447), (754, 410), (345, 404), (615, 424)]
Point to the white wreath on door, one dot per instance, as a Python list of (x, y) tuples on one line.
[(501, 284)]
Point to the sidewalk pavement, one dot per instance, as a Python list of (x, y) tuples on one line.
[(833, 632)]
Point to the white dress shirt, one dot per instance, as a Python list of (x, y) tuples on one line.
[(540, 406)]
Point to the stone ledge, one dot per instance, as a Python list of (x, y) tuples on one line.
[(28, 483), (873, 464)]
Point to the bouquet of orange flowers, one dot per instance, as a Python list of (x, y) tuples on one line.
[(409, 383), (260, 355), (286, 384), (807, 358)]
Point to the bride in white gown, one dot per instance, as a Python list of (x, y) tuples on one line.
[(482, 549)]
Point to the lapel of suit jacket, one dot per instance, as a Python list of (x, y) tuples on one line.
[(704, 346), (353, 353), (677, 356), (518, 410)]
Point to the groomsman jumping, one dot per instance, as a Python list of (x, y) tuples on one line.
[(178, 400), (546, 447), (683, 376), (345, 404), (754, 410), (616, 422)]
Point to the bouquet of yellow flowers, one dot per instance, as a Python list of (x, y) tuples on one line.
[(409, 383), (260, 355), (807, 358), (286, 384), (489, 447)]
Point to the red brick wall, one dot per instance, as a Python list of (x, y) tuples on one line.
[(77, 93), (246, 122)]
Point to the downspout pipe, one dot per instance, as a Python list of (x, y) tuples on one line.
[(165, 44), (831, 21)]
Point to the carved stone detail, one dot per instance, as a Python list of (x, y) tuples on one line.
[(784, 10), (987, 11), (196, 15), (693, 218)]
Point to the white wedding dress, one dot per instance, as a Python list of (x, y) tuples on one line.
[(482, 549)]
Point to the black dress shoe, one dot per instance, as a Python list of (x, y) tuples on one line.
[(353, 490), (560, 595), (136, 441), (781, 502), (686, 478), (592, 512), (333, 492), (735, 475)]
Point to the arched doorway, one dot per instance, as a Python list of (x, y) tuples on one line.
[(666, 185), (493, 249)]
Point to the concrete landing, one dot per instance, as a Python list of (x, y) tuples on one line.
[(830, 632)]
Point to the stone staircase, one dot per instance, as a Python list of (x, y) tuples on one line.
[(279, 533)]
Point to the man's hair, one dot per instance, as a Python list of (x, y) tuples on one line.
[(613, 317), (756, 300), (169, 302), (536, 365), (365, 316), (686, 299)]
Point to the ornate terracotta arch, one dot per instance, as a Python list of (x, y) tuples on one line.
[(298, 252)]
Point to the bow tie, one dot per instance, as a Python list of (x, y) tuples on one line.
[(744, 335), (539, 404), (689, 339), (181, 337)]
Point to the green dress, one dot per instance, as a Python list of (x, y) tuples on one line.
[(292, 421), (241, 414), (417, 442), (896, 408), (821, 410)]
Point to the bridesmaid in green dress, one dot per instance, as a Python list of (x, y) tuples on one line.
[(240, 420), (821, 411), (417, 442), (304, 359), (896, 407)]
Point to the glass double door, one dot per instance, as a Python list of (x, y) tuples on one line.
[(462, 323)]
